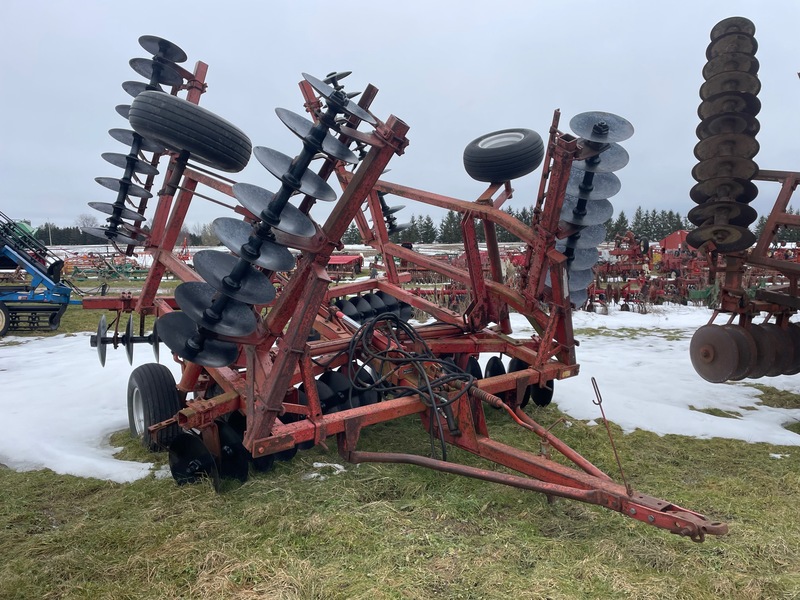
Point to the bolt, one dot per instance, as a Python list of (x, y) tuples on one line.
[(650, 518), (632, 511)]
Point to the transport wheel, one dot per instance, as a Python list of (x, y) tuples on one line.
[(152, 398), (180, 125), (503, 155), (5, 319)]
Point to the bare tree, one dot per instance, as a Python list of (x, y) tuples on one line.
[(86, 220)]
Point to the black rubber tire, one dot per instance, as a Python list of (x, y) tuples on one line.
[(503, 155), (180, 125), (152, 398), (5, 319)]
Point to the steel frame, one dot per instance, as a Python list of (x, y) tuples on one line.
[(279, 356)]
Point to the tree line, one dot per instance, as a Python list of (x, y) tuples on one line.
[(650, 224)]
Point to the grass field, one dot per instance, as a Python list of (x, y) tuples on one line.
[(394, 531)]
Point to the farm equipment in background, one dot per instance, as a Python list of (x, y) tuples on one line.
[(38, 303), (276, 357), (757, 338)]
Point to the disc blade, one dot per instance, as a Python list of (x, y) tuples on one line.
[(378, 305), (348, 106), (609, 160), (733, 213), (122, 161), (339, 384), (542, 396), (256, 199), (309, 183), (406, 311), (725, 166), (155, 341), (122, 212), (392, 305), (197, 299), (602, 127), (301, 127), (156, 71), (134, 88), (733, 25), (585, 213), (732, 42), (728, 122), (131, 189), (176, 330), (117, 236), (727, 144), (514, 365), (101, 347), (730, 188), (740, 102), (348, 309), (215, 267), (123, 110), (730, 81), (363, 307), (579, 259), (592, 186), (127, 339), (745, 350), (731, 61), (588, 237), (765, 352), (190, 461), (713, 353), (727, 238), (234, 459), (784, 349), (162, 48), (234, 234), (579, 280), (128, 137), (494, 367)]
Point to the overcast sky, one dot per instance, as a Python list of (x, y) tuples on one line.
[(452, 70)]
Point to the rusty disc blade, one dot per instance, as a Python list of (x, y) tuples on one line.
[(714, 353), (728, 122), (725, 166), (727, 238), (731, 188), (731, 61), (733, 25), (727, 211), (746, 349), (765, 352), (781, 340), (730, 81), (738, 145), (732, 42), (729, 102)]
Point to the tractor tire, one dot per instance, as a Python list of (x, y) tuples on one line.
[(180, 125), (5, 319), (503, 155), (152, 398)]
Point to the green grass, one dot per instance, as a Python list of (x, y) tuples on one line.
[(397, 531)]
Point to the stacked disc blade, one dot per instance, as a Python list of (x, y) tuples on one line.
[(158, 70), (727, 143), (221, 307), (591, 183), (388, 212)]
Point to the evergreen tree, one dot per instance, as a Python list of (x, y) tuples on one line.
[(427, 230), (618, 226), (450, 228), (351, 236), (638, 225)]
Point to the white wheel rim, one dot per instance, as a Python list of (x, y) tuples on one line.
[(138, 412), (501, 139)]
